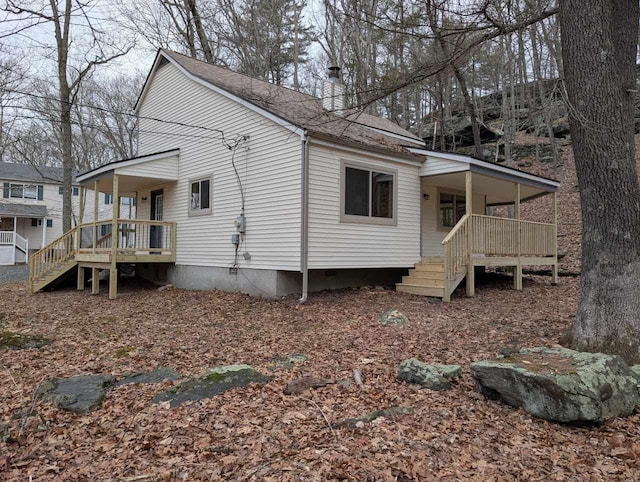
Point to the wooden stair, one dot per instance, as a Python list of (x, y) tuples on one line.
[(52, 275), (426, 278)]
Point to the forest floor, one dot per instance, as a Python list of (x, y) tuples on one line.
[(258, 432)]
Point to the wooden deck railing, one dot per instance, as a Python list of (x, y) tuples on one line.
[(52, 255), (134, 235), (456, 252), (494, 236)]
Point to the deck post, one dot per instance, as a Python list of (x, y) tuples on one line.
[(554, 268), (471, 282), (113, 272), (80, 278), (95, 281), (96, 200), (517, 271)]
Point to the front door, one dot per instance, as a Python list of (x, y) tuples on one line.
[(155, 233)]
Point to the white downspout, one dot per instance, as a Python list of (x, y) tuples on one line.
[(304, 216)]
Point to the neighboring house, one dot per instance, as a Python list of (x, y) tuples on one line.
[(246, 186), (31, 209)]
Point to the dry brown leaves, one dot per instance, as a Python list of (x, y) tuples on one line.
[(258, 433)]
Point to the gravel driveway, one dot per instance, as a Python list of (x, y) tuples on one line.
[(18, 272)]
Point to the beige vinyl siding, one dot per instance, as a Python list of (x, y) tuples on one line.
[(334, 244), (435, 165), (432, 236), (166, 168), (269, 169)]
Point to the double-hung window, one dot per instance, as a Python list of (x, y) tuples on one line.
[(368, 194), (200, 196), (23, 191)]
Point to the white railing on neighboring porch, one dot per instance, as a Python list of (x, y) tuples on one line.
[(13, 248)]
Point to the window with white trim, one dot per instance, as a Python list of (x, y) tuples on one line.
[(23, 191), (368, 194), (200, 196), (108, 198)]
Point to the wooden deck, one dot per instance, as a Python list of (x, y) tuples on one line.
[(91, 245)]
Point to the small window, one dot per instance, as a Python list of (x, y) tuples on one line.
[(200, 196), (451, 208), (108, 198), (49, 223), (369, 195), (61, 190), (76, 190)]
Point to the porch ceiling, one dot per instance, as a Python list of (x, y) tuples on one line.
[(129, 185), (134, 174), (497, 191)]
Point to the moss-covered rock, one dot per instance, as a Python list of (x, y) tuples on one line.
[(10, 340), (560, 385), (392, 317), (80, 394), (288, 362), (211, 383), (433, 377)]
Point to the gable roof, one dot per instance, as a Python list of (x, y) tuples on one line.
[(295, 109), (14, 171)]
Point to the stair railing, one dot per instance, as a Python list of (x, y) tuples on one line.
[(456, 251), (54, 254)]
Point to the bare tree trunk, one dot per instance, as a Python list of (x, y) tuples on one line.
[(202, 35), (599, 53)]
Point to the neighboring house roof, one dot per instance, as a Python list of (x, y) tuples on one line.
[(14, 171), (297, 109), (23, 210)]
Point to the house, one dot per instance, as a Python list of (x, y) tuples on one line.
[(246, 186), (31, 209)]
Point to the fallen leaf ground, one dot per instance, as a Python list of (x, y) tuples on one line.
[(257, 432)]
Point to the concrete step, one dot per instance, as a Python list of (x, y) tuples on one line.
[(430, 283), (420, 290)]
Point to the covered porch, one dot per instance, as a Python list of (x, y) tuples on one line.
[(103, 244), (459, 233), (18, 224)]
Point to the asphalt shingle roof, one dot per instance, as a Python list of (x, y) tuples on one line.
[(301, 110), (14, 171)]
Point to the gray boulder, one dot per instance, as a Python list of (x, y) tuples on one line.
[(80, 394), (560, 385), (636, 371), (433, 377), (392, 317), (211, 383)]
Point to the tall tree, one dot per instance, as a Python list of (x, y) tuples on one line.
[(599, 45), (59, 14)]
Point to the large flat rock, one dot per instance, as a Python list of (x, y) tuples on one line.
[(80, 394), (211, 383), (560, 385)]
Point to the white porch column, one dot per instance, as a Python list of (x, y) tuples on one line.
[(471, 281), (113, 272), (15, 231), (44, 232)]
